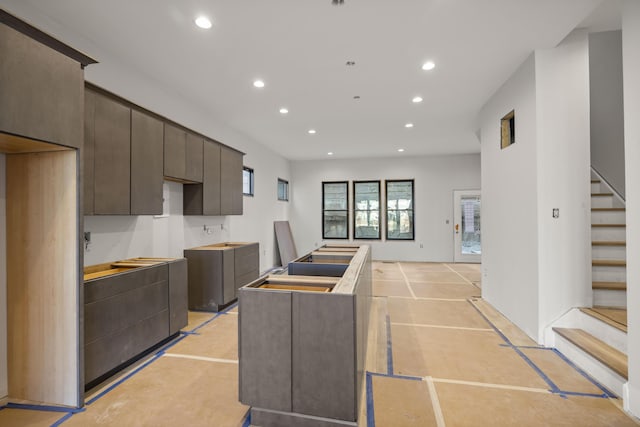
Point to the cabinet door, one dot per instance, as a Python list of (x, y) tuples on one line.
[(41, 91), (231, 181), (88, 151), (146, 164), (112, 157), (211, 179), (193, 165), (175, 141)]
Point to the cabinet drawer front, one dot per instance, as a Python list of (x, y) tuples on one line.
[(106, 287)]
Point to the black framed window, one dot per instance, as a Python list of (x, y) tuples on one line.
[(400, 205), (335, 210), (283, 190), (366, 209), (247, 181)]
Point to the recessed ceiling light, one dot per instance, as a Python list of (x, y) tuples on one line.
[(203, 22), (408, 125), (417, 99), (284, 111), (258, 83), (350, 63), (429, 65), (356, 97), (312, 131), (330, 153), (400, 150)]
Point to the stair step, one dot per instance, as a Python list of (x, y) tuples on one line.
[(608, 209), (601, 194), (609, 243), (616, 360), (595, 181), (615, 317), (609, 225), (611, 286), (608, 263)]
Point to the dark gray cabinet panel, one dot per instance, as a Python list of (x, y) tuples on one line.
[(42, 91), (112, 126), (247, 264), (124, 314), (324, 325), (178, 295), (88, 151), (231, 181), (194, 160), (217, 271), (265, 381), (146, 164), (204, 199), (175, 141)]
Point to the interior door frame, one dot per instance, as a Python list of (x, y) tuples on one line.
[(458, 256)]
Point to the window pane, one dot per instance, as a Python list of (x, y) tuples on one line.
[(247, 181), (367, 225), (335, 224), (283, 189), (400, 225), (470, 206), (366, 206), (335, 195), (399, 195)]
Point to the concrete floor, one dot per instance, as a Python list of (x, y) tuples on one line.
[(438, 356)]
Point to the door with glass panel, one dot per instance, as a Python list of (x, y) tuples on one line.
[(466, 226)]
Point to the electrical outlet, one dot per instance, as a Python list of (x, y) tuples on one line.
[(87, 237), (421, 246), (556, 213)]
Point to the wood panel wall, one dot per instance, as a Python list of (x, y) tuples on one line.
[(42, 277)]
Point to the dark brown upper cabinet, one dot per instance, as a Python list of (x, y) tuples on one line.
[(112, 151), (182, 155), (230, 181), (88, 151), (42, 90), (193, 158), (204, 199), (146, 164)]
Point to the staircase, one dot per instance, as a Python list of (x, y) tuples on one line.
[(608, 235), (595, 338)]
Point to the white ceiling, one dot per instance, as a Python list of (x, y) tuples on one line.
[(300, 47)]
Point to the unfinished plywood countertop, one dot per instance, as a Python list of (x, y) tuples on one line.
[(107, 269)]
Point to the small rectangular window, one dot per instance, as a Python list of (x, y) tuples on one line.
[(283, 190), (508, 129), (247, 181), (400, 210), (335, 213), (366, 210)]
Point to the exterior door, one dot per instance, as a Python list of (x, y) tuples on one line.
[(466, 226)]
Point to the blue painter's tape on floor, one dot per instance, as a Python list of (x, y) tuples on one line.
[(61, 420), (46, 408), (584, 374), (554, 388), (389, 348), (247, 419), (565, 393), (400, 377), (371, 420)]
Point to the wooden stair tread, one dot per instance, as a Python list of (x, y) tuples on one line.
[(609, 225), (609, 243), (601, 194), (608, 209), (595, 181), (609, 263), (616, 360), (615, 317), (613, 286)]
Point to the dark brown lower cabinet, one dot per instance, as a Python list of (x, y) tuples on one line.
[(129, 307), (217, 271)]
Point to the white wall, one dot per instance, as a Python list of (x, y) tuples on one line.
[(563, 173), (4, 387), (607, 114), (509, 202), (435, 179), (631, 55)]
